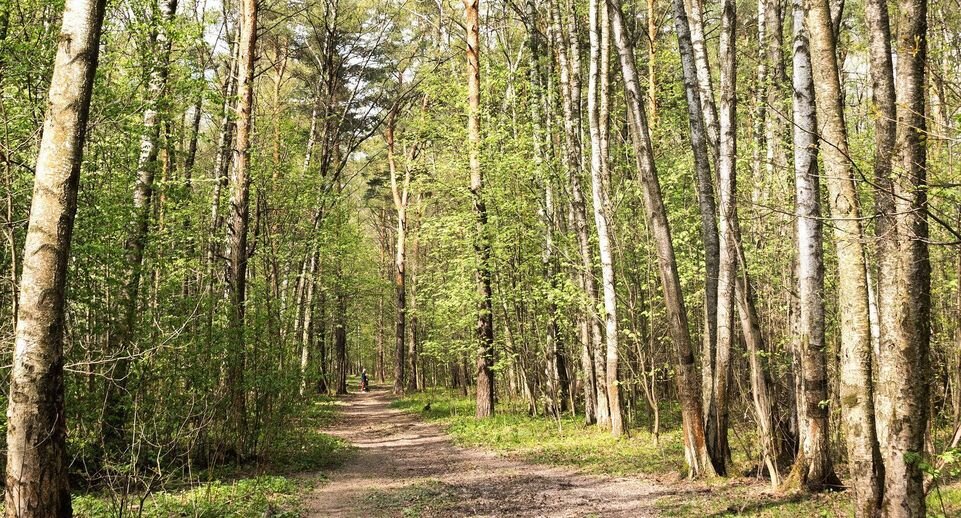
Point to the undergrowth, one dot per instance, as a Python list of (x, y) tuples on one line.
[(273, 487)]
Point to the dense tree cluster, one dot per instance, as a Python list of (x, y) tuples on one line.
[(719, 215)]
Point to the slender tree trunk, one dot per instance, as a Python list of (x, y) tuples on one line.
[(717, 414), (704, 82), (602, 216), (239, 219), (774, 124), (812, 467), (340, 343), (412, 370), (400, 260), (856, 384), (695, 447), (548, 214), (652, 63), (760, 381), (760, 107), (484, 332), (307, 327), (570, 104), (119, 339), (705, 196), (884, 113), (36, 469), (379, 363), (191, 156), (219, 176)]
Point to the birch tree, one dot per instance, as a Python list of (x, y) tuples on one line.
[(812, 467), (36, 470), (717, 411), (119, 343), (903, 378), (602, 211)]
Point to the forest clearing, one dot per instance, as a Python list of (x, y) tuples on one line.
[(594, 257)]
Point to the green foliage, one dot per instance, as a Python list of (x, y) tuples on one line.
[(278, 486), (249, 497)]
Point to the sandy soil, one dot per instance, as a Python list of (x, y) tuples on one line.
[(404, 466)]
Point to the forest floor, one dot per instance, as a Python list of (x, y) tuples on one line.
[(404, 466), (412, 461)]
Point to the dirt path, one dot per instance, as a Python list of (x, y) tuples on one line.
[(404, 466)]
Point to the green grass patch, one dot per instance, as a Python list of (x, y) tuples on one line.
[(255, 497), (430, 497), (304, 447), (565, 442), (944, 502)]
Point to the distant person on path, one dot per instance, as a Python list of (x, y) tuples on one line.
[(363, 381)]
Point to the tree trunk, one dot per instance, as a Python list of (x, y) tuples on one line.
[(688, 389), (856, 384), (239, 219), (548, 214), (412, 371), (760, 381), (704, 81), (307, 327), (400, 259), (340, 344), (570, 105), (705, 196), (36, 470), (812, 467), (903, 377), (717, 414), (602, 215), (484, 332), (220, 179)]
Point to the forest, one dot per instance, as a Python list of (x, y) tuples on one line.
[(721, 238)]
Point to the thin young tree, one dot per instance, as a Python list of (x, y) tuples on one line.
[(237, 228), (688, 388), (707, 205), (484, 331), (602, 209), (119, 340), (399, 194), (36, 472), (568, 61), (717, 413)]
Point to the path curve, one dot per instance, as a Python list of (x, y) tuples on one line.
[(404, 466)]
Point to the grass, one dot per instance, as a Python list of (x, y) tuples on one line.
[(431, 497), (273, 488), (568, 442), (565, 442), (275, 495)]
